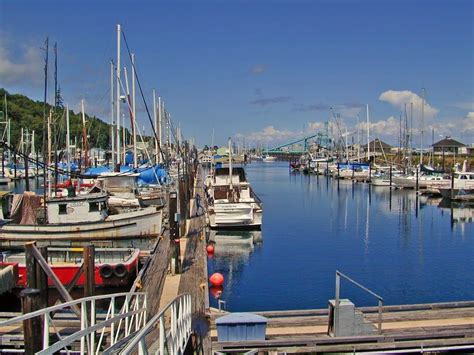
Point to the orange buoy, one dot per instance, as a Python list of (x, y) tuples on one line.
[(216, 279), (210, 249), (216, 291)]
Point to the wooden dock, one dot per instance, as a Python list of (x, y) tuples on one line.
[(405, 328)]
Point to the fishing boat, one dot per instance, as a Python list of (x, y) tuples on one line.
[(232, 202), (113, 266), (73, 218)]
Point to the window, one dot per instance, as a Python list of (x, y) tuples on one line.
[(93, 206), (62, 208)]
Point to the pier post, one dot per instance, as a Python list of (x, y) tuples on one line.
[(416, 185), (174, 230), (33, 327), (390, 175), (42, 279), (3, 161), (89, 270)]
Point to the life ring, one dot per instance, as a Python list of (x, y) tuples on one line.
[(106, 271), (120, 271)]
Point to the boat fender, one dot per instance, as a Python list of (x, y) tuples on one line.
[(120, 271), (106, 271)]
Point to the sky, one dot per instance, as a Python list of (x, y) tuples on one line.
[(262, 72)]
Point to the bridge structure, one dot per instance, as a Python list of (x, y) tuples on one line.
[(301, 146)]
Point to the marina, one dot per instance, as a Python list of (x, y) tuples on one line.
[(220, 180)]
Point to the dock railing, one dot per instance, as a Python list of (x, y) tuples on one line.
[(337, 299), (92, 336), (170, 341)]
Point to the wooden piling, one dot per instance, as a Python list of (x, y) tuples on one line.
[(416, 184), (174, 230), (33, 327), (42, 279), (89, 270)]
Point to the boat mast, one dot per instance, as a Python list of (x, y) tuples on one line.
[(68, 152), (368, 134), (230, 164), (118, 93), (84, 135), (358, 140), (422, 123), (158, 128), (49, 151), (134, 131), (112, 117), (155, 122)]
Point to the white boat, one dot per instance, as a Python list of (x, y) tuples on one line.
[(424, 181), (463, 188), (232, 202), (75, 218), (381, 180), (268, 159)]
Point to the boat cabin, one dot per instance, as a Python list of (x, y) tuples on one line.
[(82, 208)]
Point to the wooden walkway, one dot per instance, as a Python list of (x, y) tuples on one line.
[(404, 327)]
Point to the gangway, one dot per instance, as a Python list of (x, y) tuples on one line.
[(114, 330)]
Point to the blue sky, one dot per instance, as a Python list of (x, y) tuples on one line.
[(265, 70)]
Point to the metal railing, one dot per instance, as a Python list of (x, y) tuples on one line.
[(337, 299), (173, 335), (92, 336)]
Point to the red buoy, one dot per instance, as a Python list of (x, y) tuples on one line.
[(210, 249), (216, 279), (216, 291)]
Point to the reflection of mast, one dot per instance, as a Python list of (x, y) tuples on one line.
[(366, 238)]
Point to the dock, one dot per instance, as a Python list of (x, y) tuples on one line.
[(404, 328)]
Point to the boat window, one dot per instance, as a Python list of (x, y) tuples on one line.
[(93, 206), (463, 177), (62, 208)]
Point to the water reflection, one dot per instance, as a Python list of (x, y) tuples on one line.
[(461, 213), (232, 251)]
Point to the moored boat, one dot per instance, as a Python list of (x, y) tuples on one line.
[(75, 218), (113, 266)]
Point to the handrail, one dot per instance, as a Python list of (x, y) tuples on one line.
[(182, 314), (65, 305), (337, 300)]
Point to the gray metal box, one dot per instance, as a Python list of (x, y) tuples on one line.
[(241, 327)]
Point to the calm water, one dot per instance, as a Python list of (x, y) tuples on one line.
[(406, 249)]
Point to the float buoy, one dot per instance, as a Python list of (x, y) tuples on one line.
[(216, 291), (210, 249), (216, 279)]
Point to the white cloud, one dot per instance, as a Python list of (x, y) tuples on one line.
[(468, 123), (399, 98), (388, 127), (24, 68), (271, 134)]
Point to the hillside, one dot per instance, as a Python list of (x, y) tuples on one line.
[(28, 114)]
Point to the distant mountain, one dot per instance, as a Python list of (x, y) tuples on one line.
[(28, 114)]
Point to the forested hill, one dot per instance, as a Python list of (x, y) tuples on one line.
[(28, 114)]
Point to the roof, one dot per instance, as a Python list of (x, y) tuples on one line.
[(378, 144), (448, 143), (239, 318)]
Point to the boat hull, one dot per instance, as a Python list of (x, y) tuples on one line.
[(137, 224), (235, 215)]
